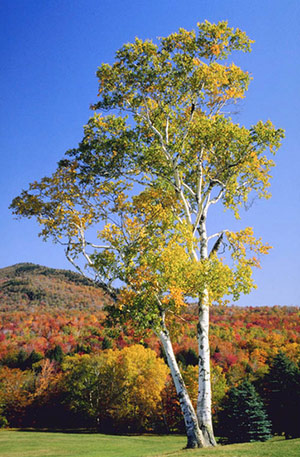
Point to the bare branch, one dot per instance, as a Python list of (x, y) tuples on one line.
[(188, 125), (217, 234), (167, 130), (72, 261), (200, 177), (177, 315), (216, 246), (155, 130), (215, 200), (99, 246), (189, 189), (218, 242), (107, 287), (197, 221)]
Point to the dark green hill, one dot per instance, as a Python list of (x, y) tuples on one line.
[(27, 286)]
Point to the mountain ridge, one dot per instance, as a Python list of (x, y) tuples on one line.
[(27, 285)]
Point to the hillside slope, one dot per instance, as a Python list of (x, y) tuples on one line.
[(26, 286), (42, 307)]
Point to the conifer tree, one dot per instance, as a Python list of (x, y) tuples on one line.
[(243, 417), (281, 392)]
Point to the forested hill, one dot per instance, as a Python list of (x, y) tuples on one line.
[(43, 307), (25, 286), (47, 314)]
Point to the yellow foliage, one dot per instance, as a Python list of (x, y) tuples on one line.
[(125, 385)]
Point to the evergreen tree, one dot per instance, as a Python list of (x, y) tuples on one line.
[(56, 354), (280, 390), (106, 343), (187, 357), (243, 417), (33, 358)]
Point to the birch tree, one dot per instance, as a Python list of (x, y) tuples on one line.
[(147, 174)]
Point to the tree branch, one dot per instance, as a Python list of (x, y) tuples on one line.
[(106, 287), (216, 246)]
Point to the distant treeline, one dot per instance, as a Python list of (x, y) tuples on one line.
[(130, 390)]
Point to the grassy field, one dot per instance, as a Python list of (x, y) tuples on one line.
[(44, 444)]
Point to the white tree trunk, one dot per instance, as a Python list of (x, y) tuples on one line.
[(194, 434), (204, 384)]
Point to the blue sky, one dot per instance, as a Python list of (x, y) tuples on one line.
[(50, 50)]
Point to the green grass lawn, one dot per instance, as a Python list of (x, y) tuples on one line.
[(45, 444)]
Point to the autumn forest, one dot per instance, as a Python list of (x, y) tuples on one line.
[(51, 340)]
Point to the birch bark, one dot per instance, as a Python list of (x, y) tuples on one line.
[(194, 435), (204, 380), (204, 384)]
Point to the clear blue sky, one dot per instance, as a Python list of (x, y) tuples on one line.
[(50, 50)]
